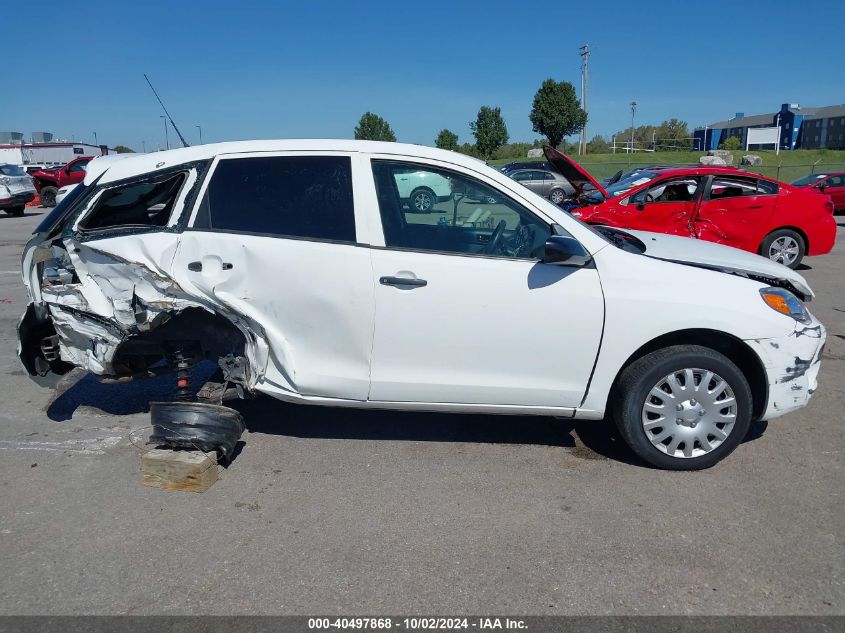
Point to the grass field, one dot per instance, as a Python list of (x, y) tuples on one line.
[(786, 166)]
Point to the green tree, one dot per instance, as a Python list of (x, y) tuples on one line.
[(556, 111), (372, 127), (673, 135), (598, 145), (489, 130), (447, 140), (122, 149), (731, 143)]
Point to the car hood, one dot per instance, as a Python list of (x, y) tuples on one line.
[(727, 259), (572, 171)]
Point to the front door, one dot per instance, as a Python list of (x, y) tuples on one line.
[(465, 311), (736, 210), (273, 241), (666, 206)]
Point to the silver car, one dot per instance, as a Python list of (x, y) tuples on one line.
[(548, 184), (16, 189)]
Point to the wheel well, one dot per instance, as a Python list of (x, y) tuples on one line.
[(737, 351), (422, 188), (202, 334), (789, 228)]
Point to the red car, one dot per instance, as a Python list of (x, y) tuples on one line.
[(830, 184), (49, 181), (718, 204)]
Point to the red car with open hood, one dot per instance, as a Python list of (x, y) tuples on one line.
[(719, 204)]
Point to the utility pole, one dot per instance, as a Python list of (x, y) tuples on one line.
[(585, 84), (144, 145), (633, 112)]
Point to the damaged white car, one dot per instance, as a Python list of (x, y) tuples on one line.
[(297, 268)]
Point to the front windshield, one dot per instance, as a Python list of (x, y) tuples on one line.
[(808, 180), (629, 182)]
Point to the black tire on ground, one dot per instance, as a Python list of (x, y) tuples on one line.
[(557, 196), (422, 200), (634, 389), (47, 195), (779, 237), (18, 211)]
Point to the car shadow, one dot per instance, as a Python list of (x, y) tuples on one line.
[(583, 439), (6, 216), (82, 390)]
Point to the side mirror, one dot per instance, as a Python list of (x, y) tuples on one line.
[(67, 170), (822, 186), (562, 250)]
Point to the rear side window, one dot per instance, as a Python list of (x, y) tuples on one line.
[(288, 196), (737, 187), (146, 203)]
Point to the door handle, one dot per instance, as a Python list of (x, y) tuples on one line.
[(755, 206), (196, 267), (400, 282)]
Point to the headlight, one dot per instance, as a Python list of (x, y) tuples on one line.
[(786, 303)]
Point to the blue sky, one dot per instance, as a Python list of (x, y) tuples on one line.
[(249, 69)]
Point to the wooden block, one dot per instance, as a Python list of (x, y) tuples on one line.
[(193, 471)]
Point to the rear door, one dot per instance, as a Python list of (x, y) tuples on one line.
[(666, 206), (736, 211), (273, 242)]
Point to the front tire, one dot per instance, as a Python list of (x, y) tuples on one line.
[(684, 407), (422, 200), (784, 246), (47, 195)]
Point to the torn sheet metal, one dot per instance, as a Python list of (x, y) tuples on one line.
[(792, 365), (98, 300)]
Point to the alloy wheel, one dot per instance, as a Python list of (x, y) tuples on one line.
[(784, 250)]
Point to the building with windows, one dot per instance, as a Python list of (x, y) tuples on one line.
[(43, 149), (801, 128)]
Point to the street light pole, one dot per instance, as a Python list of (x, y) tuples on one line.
[(95, 139), (633, 112), (199, 127), (144, 145), (166, 139)]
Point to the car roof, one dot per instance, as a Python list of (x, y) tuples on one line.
[(146, 163)]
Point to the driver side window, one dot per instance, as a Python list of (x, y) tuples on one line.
[(431, 209), (671, 190)]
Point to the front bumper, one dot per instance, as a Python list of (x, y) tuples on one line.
[(792, 367)]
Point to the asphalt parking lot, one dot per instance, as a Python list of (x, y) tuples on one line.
[(351, 512)]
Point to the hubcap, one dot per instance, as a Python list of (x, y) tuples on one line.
[(784, 250), (557, 197), (689, 413)]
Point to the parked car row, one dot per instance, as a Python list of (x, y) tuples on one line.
[(718, 204)]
